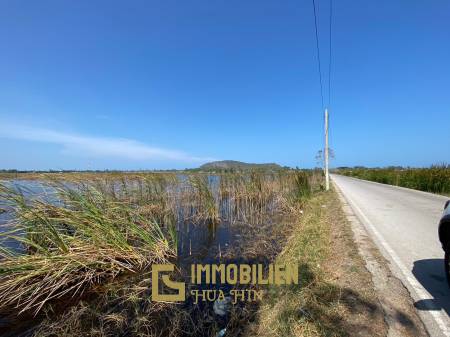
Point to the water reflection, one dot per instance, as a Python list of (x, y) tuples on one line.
[(202, 241)]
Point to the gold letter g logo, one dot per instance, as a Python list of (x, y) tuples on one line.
[(180, 286)]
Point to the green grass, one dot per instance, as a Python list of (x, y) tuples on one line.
[(287, 310), (435, 179)]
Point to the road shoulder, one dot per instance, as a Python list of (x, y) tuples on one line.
[(337, 296), (394, 298)]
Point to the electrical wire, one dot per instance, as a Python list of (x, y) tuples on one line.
[(318, 52), (329, 55), (329, 60)]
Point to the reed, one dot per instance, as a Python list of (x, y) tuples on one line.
[(302, 187), (107, 225), (206, 204), (67, 249)]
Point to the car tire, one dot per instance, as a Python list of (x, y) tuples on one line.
[(447, 266)]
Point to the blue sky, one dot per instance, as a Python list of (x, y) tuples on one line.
[(172, 84)]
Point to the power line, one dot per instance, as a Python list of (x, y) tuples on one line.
[(326, 120), (329, 58), (318, 52), (329, 55), (329, 61)]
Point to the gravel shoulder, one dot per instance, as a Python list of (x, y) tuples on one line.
[(347, 288)]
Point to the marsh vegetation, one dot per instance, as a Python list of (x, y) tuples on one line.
[(83, 249)]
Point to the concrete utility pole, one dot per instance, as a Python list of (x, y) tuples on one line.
[(327, 177)]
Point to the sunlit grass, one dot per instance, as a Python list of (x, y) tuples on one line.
[(69, 248), (435, 179)]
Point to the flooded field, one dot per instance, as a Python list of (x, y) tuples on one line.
[(76, 253)]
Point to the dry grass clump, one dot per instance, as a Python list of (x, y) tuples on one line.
[(125, 308), (68, 248)]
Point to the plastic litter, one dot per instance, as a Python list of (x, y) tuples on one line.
[(221, 307), (221, 333)]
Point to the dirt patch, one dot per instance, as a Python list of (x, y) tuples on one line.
[(362, 312)]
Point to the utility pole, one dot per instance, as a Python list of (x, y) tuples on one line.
[(327, 176)]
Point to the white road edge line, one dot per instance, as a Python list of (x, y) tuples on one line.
[(420, 291)]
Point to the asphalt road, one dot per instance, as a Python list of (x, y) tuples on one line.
[(403, 224)]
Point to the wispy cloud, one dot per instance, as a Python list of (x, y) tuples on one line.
[(77, 144)]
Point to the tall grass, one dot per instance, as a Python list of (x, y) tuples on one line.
[(206, 205), (435, 179), (109, 225), (69, 248), (302, 186)]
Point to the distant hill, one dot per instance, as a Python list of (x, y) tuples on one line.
[(238, 165)]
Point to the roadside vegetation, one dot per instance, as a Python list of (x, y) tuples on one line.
[(335, 296), (83, 250), (81, 265), (435, 179)]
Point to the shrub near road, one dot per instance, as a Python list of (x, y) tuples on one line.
[(435, 179)]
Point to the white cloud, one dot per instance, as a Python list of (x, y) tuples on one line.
[(76, 144)]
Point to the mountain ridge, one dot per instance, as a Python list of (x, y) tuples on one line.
[(238, 165)]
